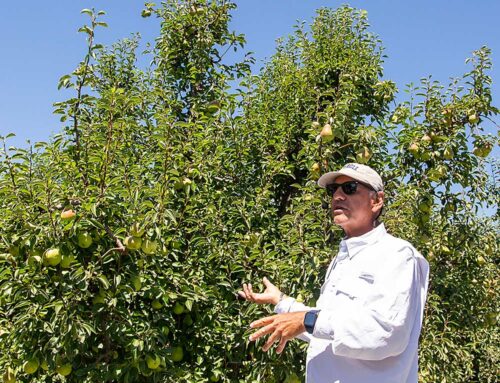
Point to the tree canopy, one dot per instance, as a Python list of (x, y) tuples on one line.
[(125, 237)]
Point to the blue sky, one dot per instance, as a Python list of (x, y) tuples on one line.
[(40, 43)]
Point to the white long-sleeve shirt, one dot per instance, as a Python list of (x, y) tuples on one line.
[(371, 314)]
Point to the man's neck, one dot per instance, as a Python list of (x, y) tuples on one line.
[(360, 231)]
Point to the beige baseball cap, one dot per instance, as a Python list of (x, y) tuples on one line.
[(359, 172)]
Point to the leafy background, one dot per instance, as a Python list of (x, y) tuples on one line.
[(218, 167)]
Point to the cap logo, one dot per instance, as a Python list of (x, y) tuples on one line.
[(351, 166)]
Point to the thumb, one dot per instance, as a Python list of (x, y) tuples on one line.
[(266, 282)]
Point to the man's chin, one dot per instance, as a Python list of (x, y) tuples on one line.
[(339, 219)]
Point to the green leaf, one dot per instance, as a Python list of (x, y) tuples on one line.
[(58, 306), (104, 281), (86, 29)]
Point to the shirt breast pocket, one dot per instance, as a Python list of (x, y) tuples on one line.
[(358, 287)]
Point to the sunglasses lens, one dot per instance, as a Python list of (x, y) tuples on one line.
[(331, 189), (349, 187)]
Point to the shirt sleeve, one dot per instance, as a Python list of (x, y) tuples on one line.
[(375, 323), (289, 305)]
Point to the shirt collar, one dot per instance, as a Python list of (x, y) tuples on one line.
[(355, 244)]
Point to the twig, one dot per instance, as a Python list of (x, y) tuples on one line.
[(120, 247)]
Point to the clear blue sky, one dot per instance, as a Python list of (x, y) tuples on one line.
[(40, 43)]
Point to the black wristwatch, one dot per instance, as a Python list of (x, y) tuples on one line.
[(310, 320)]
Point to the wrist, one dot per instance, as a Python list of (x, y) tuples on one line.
[(280, 298)]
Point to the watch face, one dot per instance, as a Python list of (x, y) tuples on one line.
[(310, 320)]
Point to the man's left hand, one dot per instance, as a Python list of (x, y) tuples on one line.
[(282, 328)]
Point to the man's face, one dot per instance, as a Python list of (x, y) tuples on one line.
[(355, 213)]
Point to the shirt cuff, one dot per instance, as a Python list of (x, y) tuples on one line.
[(323, 327), (284, 305)]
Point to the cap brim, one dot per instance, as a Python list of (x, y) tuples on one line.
[(330, 177)]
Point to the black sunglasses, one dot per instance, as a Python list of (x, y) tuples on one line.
[(349, 187)]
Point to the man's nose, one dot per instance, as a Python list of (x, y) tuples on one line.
[(338, 195)]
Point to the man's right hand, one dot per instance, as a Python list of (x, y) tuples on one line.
[(270, 295)]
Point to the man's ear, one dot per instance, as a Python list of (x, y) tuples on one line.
[(378, 201)]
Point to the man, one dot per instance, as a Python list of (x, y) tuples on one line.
[(367, 320)]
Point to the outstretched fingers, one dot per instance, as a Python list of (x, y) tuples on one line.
[(263, 322), (270, 327), (242, 294), (281, 345), (263, 331), (275, 336), (282, 328), (247, 292)]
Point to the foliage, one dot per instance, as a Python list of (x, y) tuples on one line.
[(188, 185)]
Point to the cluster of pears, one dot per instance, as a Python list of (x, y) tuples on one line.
[(417, 148), (153, 361), (54, 256), (84, 239), (327, 134), (420, 151), (156, 363), (482, 149), (135, 242), (32, 365)]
